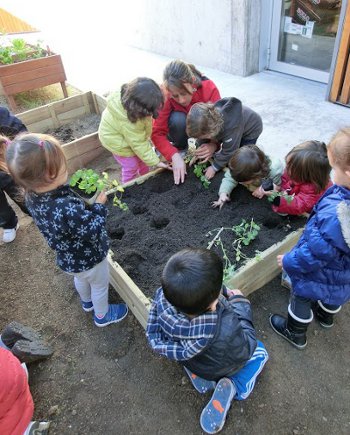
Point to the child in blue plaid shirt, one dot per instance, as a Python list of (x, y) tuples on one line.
[(195, 320)]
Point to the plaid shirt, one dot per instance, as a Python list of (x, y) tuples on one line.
[(173, 334)]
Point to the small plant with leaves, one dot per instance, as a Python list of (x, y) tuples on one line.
[(18, 50), (198, 171), (91, 182), (275, 194), (246, 232)]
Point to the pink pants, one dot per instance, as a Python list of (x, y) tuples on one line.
[(132, 167)]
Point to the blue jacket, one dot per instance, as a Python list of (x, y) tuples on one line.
[(77, 234), (319, 265)]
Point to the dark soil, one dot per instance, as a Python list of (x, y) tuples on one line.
[(76, 128), (164, 218)]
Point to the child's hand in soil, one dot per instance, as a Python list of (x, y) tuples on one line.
[(205, 151), (271, 192), (164, 165), (209, 173), (102, 198), (259, 192), (223, 197), (280, 260)]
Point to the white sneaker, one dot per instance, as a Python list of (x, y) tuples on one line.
[(10, 234)]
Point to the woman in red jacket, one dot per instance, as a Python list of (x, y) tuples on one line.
[(184, 86)]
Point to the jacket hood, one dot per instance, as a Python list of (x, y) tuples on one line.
[(343, 212), (231, 109)]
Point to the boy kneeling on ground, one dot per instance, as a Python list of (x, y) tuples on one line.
[(195, 320)]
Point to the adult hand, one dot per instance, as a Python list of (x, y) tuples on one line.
[(209, 173), (205, 151), (280, 260), (102, 198), (223, 197), (179, 168)]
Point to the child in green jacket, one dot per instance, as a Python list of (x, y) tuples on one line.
[(126, 126), (250, 166)]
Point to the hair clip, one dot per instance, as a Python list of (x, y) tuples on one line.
[(41, 144)]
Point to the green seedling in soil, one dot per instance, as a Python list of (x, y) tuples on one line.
[(275, 194), (198, 171), (90, 182), (246, 232)]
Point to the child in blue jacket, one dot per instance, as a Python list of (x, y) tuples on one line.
[(208, 329), (319, 265)]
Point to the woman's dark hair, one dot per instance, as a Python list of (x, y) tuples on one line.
[(140, 98), (308, 163), (192, 280), (178, 72), (249, 163), (204, 120)]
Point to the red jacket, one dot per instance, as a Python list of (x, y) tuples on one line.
[(16, 403), (205, 93), (305, 196)]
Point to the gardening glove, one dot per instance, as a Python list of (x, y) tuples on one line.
[(223, 197)]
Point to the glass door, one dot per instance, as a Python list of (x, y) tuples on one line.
[(302, 37)]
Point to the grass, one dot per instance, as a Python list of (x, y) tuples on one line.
[(39, 97)]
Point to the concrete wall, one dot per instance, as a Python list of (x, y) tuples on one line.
[(220, 34)]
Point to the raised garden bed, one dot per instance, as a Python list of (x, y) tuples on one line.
[(31, 74), (56, 118), (164, 218)]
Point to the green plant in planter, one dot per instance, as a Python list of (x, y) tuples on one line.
[(18, 50), (198, 171), (91, 182), (275, 194)]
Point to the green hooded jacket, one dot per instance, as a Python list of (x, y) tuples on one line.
[(123, 137)]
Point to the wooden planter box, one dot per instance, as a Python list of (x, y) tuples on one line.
[(81, 151), (31, 74)]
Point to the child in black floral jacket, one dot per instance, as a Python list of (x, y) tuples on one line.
[(75, 232)]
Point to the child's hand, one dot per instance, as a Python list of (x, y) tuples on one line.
[(209, 173), (164, 165), (259, 192), (205, 151), (280, 260), (233, 292), (102, 198), (223, 197)]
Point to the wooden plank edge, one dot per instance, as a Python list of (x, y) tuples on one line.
[(248, 280), (138, 303)]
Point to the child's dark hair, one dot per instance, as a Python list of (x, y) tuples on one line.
[(4, 141), (140, 98), (192, 280), (178, 72), (34, 160), (339, 147), (308, 163), (204, 120), (249, 163)]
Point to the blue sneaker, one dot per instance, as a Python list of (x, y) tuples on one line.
[(200, 384), (87, 306), (115, 313), (214, 414)]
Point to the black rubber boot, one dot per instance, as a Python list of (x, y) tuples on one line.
[(325, 316), (290, 329), (15, 331), (31, 351)]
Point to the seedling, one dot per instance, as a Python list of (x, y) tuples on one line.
[(91, 182), (275, 194), (246, 232), (198, 171)]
